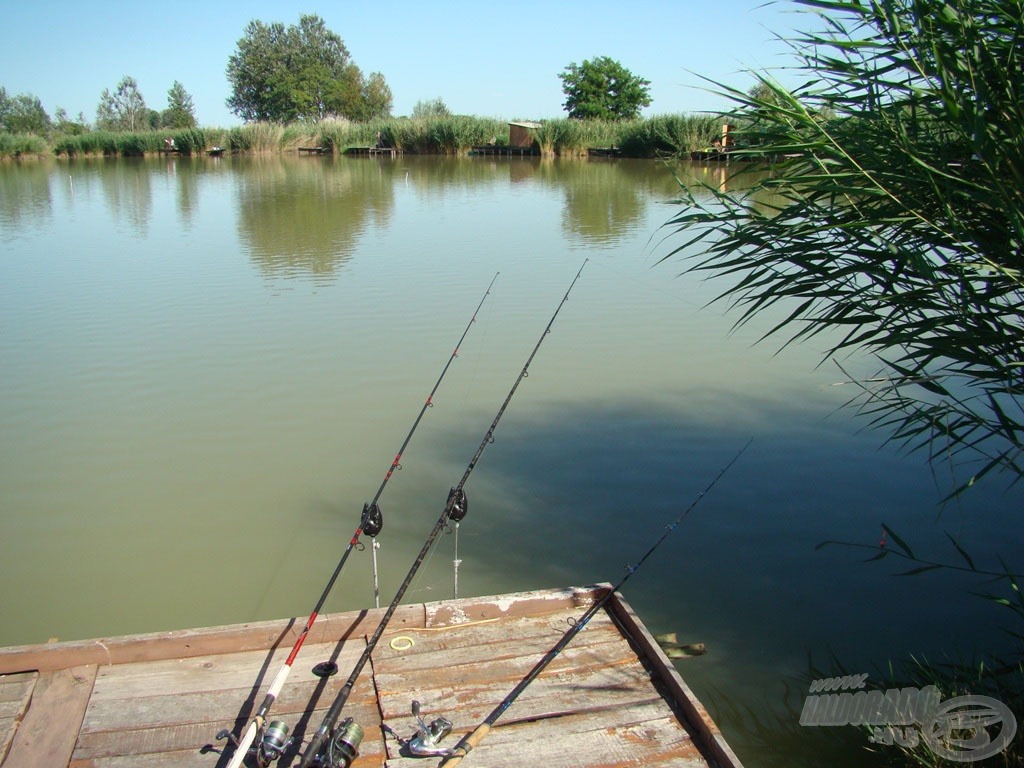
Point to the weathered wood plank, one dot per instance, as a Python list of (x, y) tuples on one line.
[(187, 643), (233, 671), (643, 735), (210, 706), (688, 706), (15, 695), (535, 603), (194, 736), (425, 649), (49, 729), (190, 758)]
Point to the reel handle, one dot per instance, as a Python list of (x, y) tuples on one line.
[(467, 743)]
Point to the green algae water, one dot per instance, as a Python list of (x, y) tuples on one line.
[(207, 366)]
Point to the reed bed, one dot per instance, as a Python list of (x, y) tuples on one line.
[(19, 145), (449, 135)]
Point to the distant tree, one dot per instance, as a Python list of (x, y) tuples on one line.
[(124, 109), (376, 97), (65, 125), (180, 112), (5, 104), (303, 72), (603, 89), (23, 113), (431, 108)]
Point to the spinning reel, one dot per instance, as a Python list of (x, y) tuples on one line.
[(342, 745), (424, 743), (272, 742)]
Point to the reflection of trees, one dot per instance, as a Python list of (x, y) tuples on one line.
[(25, 196), (599, 207), (127, 190), (305, 216)]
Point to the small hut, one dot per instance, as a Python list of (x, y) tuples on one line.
[(519, 134)]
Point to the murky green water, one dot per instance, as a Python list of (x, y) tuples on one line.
[(207, 366)]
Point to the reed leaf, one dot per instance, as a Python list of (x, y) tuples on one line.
[(893, 213)]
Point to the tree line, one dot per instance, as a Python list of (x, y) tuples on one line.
[(303, 73)]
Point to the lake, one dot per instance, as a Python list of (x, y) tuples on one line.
[(208, 365)]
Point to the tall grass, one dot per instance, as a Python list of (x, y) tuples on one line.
[(436, 135), (675, 135), (18, 145)]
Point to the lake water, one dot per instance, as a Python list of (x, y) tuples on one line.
[(207, 366)]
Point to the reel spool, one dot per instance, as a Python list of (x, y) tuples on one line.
[(273, 744), (343, 746)]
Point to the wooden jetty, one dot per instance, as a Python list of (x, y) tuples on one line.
[(374, 151), (498, 149), (157, 700)]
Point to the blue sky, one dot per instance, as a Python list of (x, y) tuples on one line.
[(488, 59)]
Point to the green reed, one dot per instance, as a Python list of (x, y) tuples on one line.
[(441, 135)]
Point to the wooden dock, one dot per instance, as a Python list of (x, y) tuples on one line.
[(496, 149), (373, 151), (157, 700)]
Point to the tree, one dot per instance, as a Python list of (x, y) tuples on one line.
[(431, 108), (376, 97), (894, 219), (23, 113), (303, 72), (124, 109), (603, 89), (65, 125), (180, 112)]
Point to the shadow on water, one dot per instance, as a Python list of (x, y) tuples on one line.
[(578, 494)]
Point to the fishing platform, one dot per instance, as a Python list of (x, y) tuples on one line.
[(157, 700)]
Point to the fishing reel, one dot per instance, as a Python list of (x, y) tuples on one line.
[(272, 741), (424, 743), (342, 745), (458, 505), (373, 520)]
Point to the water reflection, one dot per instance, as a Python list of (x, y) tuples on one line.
[(26, 198), (128, 192), (305, 218)]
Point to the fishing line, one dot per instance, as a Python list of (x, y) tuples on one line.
[(273, 737), (324, 741)]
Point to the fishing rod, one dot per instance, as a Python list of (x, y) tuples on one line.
[(333, 747), (456, 754), (273, 739)]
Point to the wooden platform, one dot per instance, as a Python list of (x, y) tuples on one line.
[(495, 149), (373, 151), (157, 700)]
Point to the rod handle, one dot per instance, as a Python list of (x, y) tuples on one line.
[(468, 742)]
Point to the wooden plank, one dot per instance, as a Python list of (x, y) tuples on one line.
[(533, 603), (705, 730), (187, 643), (644, 735), (15, 695), (49, 729), (195, 736), (490, 644), (210, 706), (234, 671)]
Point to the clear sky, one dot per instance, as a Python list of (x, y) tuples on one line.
[(481, 58)]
